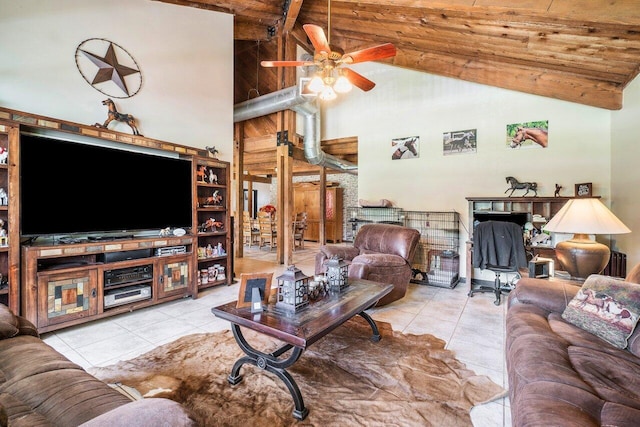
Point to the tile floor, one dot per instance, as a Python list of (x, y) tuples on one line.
[(472, 327)]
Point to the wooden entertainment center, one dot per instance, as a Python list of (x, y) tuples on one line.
[(56, 283)]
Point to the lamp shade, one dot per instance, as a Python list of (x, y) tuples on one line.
[(586, 216), (581, 256)]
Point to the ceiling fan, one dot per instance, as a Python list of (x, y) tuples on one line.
[(332, 76)]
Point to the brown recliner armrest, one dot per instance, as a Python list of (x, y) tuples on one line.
[(346, 253)]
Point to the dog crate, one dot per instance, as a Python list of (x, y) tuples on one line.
[(359, 216), (437, 261)]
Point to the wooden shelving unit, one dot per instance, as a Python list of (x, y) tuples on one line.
[(56, 285), (9, 214), (518, 209), (212, 214), (83, 270)]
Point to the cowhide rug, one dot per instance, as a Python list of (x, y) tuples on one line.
[(345, 380)]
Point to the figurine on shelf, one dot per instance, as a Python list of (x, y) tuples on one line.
[(215, 199), (212, 225), (201, 173), (113, 114), (213, 178), (558, 188), (4, 154), (4, 198), (4, 241), (213, 151), (165, 232)]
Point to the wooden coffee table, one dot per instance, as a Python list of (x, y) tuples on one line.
[(298, 330)]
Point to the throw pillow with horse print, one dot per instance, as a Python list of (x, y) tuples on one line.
[(528, 135)]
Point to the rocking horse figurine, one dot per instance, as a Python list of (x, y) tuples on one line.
[(120, 117)]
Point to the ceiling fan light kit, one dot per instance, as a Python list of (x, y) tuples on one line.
[(331, 77)]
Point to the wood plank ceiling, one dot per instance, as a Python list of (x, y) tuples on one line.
[(582, 51)]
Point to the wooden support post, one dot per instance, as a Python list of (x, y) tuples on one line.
[(323, 206), (238, 161)]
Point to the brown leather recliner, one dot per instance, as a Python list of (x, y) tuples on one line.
[(381, 253)]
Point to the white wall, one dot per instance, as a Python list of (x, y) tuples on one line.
[(185, 54), (406, 103), (625, 170)]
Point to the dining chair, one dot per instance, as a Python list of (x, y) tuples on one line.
[(299, 226), (250, 234), (267, 230)]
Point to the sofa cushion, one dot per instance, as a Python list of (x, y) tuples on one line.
[(634, 275), (152, 412), (614, 379), (619, 415), (8, 323), (606, 307)]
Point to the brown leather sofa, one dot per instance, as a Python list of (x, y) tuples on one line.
[(381, 253), (40, 387), (561, 375)]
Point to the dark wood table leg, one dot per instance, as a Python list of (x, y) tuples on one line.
[(376, 334), (271, 363)]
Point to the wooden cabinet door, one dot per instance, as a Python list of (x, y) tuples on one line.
[(174, 276), (64, 297)]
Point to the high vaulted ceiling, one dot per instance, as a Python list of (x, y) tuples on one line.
[(583, 51)]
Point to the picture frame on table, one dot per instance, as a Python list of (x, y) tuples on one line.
[(250, 281), (584, 190)]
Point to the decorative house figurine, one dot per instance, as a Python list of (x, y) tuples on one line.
[(293, 289), (337, 274)]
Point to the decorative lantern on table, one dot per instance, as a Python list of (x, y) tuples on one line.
[(293, 289), (337, 274)]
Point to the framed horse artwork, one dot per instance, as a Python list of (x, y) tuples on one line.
[(458, 142), (528, 135), (405, 148)]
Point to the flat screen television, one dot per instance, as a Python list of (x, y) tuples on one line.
[(84, 188)]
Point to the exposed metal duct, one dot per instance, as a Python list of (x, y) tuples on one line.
[(291, 98)]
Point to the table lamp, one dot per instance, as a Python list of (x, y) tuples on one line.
[(582, 256)]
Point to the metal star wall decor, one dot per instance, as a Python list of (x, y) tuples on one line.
[(108, 68)]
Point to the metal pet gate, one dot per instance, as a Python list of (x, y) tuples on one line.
[(437, 260)]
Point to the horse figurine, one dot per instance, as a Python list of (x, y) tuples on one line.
[(213, 151), (402, 147), (515, 185), (113, 114), (215, 198), (537, 135), (557, 192)]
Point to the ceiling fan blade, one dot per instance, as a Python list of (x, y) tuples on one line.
[(374, 53), (358, 80), (285, 63), (317, 37)]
